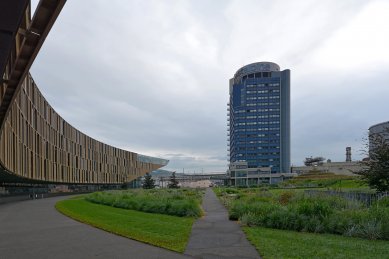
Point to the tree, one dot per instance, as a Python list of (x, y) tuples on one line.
[(375, 169), (148, 182), (173, 182)]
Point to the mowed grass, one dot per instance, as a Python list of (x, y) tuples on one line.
[(274, 243), (165, 231)]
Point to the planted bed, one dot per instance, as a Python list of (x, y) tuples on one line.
[(160, 217), (295, 210)]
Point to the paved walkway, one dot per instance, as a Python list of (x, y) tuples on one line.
[(214, 236), (34, 229)]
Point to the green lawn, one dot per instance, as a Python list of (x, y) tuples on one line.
[(274, 243), (165, 231)]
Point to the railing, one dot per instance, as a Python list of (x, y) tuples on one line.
[(366, 198)]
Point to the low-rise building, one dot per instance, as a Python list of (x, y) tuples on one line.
[(239, 174), (340, 168)]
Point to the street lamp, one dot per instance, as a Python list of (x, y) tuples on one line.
[(270, 166)]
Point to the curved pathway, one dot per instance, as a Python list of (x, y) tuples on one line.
[(214, 236), (34, 229)]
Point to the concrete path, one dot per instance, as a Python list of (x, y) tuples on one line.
[(214, 236), (34, 229)]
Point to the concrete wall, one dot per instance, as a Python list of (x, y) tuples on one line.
[(341, 168)]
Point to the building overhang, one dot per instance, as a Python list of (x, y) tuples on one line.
[(27, 39)]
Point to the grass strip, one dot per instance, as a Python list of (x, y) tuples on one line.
[(165, 231), (274, 243)]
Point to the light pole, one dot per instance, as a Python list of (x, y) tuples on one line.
[(270, 166)]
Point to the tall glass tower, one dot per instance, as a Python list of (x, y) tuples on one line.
[(259, 117)]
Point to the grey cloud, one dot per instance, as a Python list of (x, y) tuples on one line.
[(152, 76)]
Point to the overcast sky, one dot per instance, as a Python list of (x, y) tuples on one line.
[(152, 76)]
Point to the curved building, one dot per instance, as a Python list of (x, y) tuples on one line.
[(36, 144), (378, 132), (259, 118), (380, 128)]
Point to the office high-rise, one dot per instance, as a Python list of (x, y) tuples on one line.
[(259, 117)]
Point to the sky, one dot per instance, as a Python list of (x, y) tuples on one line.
[(152, 76)]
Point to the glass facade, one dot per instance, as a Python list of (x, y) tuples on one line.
[(152, 160), (259, 117)]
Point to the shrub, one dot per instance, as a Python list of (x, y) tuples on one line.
[(231, 190), (371, 230), (285, 197), (317, 213), (312, 207), (353, 231), (383, 202), (178, 202), (249, 219), (237, 210)]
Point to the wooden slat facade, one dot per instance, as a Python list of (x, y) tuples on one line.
[(38, 144)]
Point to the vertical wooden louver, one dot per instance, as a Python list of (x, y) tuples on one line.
[(36, 144)]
